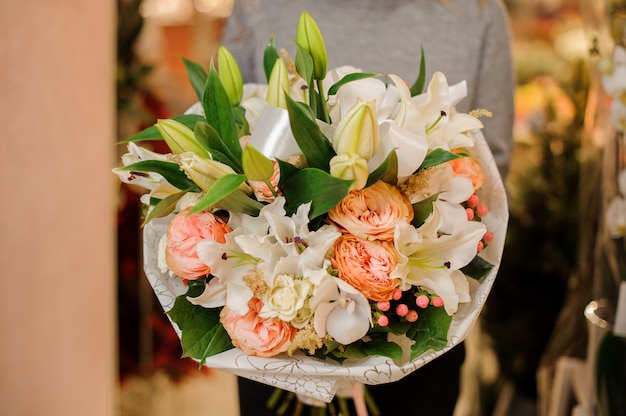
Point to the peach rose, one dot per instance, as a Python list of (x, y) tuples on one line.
[(183, 233), (468, 167), (373, 212), (255, 335), (262, 192), (366, 265)]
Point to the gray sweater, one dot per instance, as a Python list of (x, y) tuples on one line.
[(465, 39)]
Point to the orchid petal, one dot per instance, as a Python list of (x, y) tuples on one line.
[(213, 296)]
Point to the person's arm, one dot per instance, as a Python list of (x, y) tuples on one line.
[(496, 85)]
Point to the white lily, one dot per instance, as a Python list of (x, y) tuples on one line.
[(228, 265), (340, 311), (368, 89), (427, 260), (452, 191), (154, 182), (433, 114)]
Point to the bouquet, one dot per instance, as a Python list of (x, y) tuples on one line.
[(327, 228)]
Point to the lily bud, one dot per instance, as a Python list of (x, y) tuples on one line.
[(350, 166), (357, 131), (256, 166), (309, 37), (179, 137), (278, 85), (230, 75), (204, 172)]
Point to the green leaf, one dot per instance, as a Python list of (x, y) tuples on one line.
[(202, 333), (169, 170), (386, 172), (349, 78), (152, 133), (422, 210), (315, 186), (270, 55), (207, 136), (439, 156), (197, 77), (418, 86), (430, 331), (164, 207), (222, 187), (219, 113), (286, 170), (314, 145), (361, 349), (240, 119), (239, 201), (478, 268)]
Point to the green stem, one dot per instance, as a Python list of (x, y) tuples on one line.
[(320, 89)]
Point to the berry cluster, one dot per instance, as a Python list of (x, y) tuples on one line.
[(404, 306), (475, 212)]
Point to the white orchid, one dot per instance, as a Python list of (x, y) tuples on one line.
[(341, 311), (428, 260), (615, 216)]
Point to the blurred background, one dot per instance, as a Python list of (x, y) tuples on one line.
[(78, 74)]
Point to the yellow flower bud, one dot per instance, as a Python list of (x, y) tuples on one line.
[(350, 166), (309, 37), (256, 166), (357, 132), (204, 172), (230, 75), (278, 85), (179, 137)]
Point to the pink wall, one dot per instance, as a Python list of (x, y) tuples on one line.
[(57, 197)]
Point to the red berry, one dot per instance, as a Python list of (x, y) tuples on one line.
[(480, 246), (397, 294), (402, 309), (473, 201), (488, 237), (481, 210), (383, 320), (437, 302), (470, 213), (411, 316), (383, 305), (422, 301)]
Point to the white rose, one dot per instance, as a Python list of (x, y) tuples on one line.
[(285, 297)]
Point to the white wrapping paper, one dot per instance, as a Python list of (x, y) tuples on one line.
[(317, 379)]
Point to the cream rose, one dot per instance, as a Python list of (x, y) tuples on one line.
[(255, 335), (285, 297), (183, 233), (373, 212), (366, 265)]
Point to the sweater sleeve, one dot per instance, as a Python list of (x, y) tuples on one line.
[(496, 84)]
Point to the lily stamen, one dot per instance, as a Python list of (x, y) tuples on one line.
[(432, 126)]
